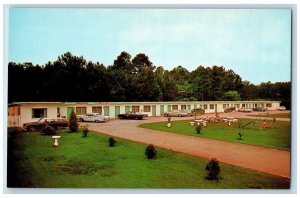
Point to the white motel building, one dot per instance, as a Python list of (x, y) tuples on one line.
[(22, 112)]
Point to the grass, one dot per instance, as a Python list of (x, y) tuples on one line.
[(278, 136), (281, 115), (89, 163)]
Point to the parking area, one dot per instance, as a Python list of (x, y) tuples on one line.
[(272, 161)]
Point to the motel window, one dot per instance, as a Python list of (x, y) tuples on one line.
[(224, 106), (174, 107), (205, 106), (227, 105), (97, 109), (183, 106), (237, 105), (269, 105), (147, 108), (58, 112), (243, 105), (211, 106), (80, 110), (39, 113), (135, 108)]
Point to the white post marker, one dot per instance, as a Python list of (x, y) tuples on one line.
[(55, 143)]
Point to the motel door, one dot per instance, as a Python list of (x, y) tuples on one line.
[(69, 111), (169, 108), (216, 109), (153, 110), (106, 111), (127, 109), (162, 109), (117, 111)]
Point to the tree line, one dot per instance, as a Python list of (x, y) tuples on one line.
[(72, 78)]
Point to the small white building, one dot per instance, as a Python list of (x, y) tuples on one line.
[(22, 112)]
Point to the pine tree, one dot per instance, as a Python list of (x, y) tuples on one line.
[(73, 122)]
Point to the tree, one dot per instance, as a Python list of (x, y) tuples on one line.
[(232, 96), (73, 122)]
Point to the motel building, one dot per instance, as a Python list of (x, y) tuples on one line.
[(23, 112)]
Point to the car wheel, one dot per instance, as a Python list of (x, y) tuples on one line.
[(97, 121), (80, 120), (32, 129)]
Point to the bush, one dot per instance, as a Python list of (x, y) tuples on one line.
[(198, 128), (49, 130), (85, 130), (73, 122), (111, 142), (213, 169), (240, 135), (150, 151)]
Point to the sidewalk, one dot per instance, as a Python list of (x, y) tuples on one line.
[(272, 161)]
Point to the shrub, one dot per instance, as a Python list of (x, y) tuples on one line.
[(85, 130), (150, 151), (111, 142), (198, 128), (213, 169), (49, 130), (73, 122), (240, 135)]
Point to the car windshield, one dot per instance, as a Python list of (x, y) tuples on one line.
[(41, 120)]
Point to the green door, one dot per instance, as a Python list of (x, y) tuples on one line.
[(69, 111), (189, 107), (117, 111), (216, 109), (153, 110), (127, 108), (162, 109), (169, 108), (106, 111), (195, 106)]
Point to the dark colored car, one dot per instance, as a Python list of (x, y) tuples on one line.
[(229, 109), (132, 115), (43, 122), (259, 109)]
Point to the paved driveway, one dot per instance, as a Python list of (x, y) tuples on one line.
[(272, 161)]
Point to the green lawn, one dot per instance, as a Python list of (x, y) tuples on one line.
[(277, 136), (89, 163), (281, 115)]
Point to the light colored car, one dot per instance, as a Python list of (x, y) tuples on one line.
[(282, 108), (246, 110), (92, 117), (178, 113)]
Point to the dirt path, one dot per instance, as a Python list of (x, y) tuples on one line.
[(272, 161)]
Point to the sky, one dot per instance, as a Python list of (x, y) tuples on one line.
[(254, 43)]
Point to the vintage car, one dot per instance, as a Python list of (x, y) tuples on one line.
[(229, 109), (245, 110), (43, 122), (259, 109), (132, 115), (92, 117), (282, 108), (178, 113)]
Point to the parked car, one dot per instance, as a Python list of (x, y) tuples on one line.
[(229, 109), (43, 122), (281, 108), (246, 110), (92, 117), (178, 113), (259, 109), (132, 115)]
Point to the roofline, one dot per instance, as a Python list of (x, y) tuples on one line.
[(142, 102)]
